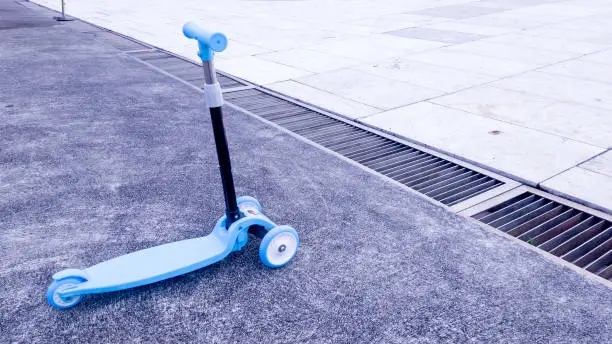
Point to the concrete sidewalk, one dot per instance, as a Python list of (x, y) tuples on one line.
[(522, 87), (102, 155)]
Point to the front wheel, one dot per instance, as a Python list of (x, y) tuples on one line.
[(61, 302), (278, 246)]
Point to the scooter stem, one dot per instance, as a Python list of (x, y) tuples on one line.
[(207, 43)]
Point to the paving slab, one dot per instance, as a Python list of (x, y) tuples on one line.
[(327, 100), (427, 75), (562, 118), (562, 88), (601, 164), (369, 89), (437, 35), (590, 187)]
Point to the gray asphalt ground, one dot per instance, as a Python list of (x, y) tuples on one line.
[(101, 155)]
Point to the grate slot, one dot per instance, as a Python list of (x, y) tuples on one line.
[(545, 226), (451, 188), (417, 162), (322, 132), (521, 211), (296, 118), (245, 95), (435, 177), (532, 211), (364, 146), (442, 179), (304, 127), (364, 158), (414, 159), (602, 265), (506, 208), (267, 106), (587, 248), (479, 186), (416, 173), (391, 159), (348, 147), (427, 174), (598, 258), (567, 234), (350, 135), (578, 239), (558, 229), (534, 218), (281, 111)]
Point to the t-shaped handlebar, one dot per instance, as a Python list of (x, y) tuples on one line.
[(208, 42)]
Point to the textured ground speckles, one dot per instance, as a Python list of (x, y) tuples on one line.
[(102, 156)]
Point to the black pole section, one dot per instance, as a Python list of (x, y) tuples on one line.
[(231, 207)]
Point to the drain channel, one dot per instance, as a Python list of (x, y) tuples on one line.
[(433, 176), (575, 235)]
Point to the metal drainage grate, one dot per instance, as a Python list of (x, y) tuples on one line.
[(574, 235), (182, 69), (438, 178)]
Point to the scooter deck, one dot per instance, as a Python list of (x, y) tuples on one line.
[(153, 264)]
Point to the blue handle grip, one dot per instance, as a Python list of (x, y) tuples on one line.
[(209, 42)]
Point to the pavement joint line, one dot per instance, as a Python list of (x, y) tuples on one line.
[(578, 165), (328, 92), (239, 88)]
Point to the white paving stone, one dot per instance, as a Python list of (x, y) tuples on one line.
[(525, 153), (473, 63), (523, 40), (426, 75), (581, 69), (565, 119), (601, 164), (374, 47), (461, 26), (560, 87), (310, 60), (323, 99), (258, 70), (599, 57), (372, 90), (586, 186), (530, 55)]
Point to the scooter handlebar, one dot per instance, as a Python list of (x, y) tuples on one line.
[(215, 41)]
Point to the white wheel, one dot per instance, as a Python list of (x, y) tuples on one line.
[(279, 246), (56, 287)]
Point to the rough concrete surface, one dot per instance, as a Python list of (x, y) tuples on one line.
[(101, 156)]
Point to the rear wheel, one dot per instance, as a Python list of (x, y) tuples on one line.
[(247, 201)]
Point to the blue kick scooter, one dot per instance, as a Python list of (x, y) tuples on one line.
[(243, 216)]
